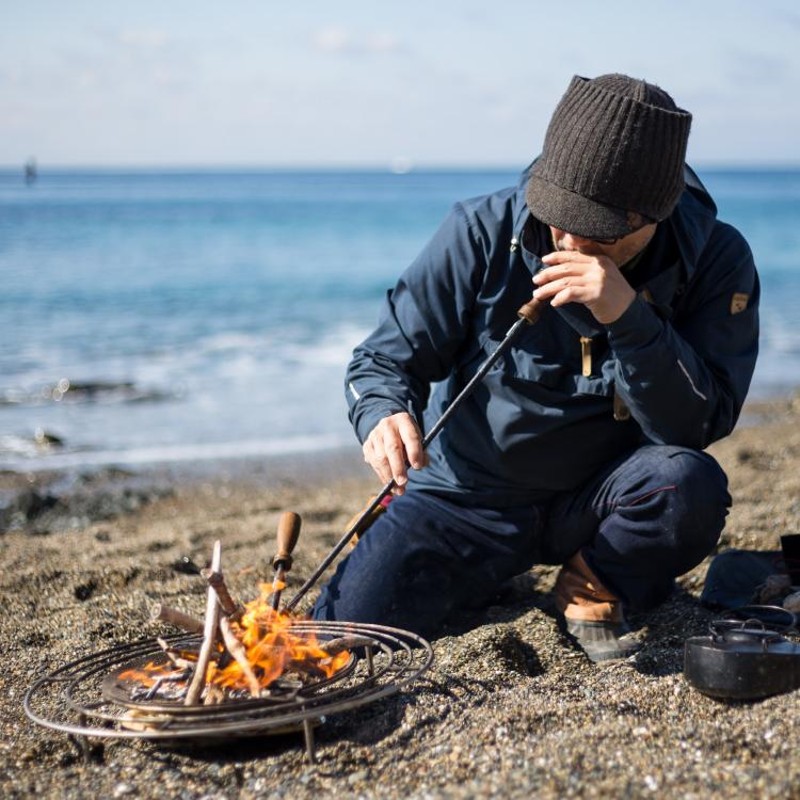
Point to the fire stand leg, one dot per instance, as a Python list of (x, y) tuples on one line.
[(370, 661), (308, 730)]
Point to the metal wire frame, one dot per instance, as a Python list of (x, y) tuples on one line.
[(71, 699)]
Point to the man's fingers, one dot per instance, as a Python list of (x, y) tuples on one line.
[(594, 281), (561, 291), (412, 440), (394, 443), (395, 456), (563, 258), (552, 275)]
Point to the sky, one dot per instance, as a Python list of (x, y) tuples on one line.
[(452, 83)]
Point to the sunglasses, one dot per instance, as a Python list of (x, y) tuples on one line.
[(639, 222)]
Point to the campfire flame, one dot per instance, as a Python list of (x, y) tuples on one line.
[(272, 649)]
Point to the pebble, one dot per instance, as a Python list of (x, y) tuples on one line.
[(357, 777)]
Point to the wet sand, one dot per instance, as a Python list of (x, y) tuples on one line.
[(509, 708)]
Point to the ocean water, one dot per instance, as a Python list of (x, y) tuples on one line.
[(189, 316)]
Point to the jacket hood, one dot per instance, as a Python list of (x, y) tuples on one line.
[(693, 220)]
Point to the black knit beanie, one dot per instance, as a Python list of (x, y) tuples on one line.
[(614, 144)]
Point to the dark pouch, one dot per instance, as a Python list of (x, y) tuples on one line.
[(790, 547), (735, 575)]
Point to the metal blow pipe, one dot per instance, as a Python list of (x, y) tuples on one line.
[(528, 315)]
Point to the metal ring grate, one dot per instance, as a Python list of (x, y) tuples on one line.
[(76, 700)]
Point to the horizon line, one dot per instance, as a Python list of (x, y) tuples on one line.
[(391, 167)]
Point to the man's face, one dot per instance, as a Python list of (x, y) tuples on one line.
[(620, 251)]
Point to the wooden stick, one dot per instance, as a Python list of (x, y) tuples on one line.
[(335, 646), (176, 618), (216, 581), (215, 695), (209, 635), (178, 658), (236, 649), (288, 533)]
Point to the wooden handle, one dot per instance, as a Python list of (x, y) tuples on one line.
[(288, 533), (531, 311)]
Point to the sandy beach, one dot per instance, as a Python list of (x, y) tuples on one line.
[(508, 709)]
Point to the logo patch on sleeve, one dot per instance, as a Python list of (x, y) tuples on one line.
[(739, 302)]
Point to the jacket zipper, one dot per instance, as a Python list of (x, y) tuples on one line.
[(586, 356), (621, 411)]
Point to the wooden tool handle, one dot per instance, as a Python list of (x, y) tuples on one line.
[(531, 311), (288, 533)]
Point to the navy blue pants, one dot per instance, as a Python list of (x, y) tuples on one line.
[(640, 523)]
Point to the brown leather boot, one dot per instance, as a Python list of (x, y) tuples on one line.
[(592, 614)]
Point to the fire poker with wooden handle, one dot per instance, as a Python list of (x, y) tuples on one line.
[(288, 533), (528, 314)]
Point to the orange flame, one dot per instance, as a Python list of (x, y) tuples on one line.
[(147, 675), (271, 647)]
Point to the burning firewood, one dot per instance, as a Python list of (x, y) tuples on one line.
[(228, 605), (246, 650), (239, 655), (182, 659), (345, 644), (209, 634)]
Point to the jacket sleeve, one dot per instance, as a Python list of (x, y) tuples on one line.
[(422, 325), (685, 380)]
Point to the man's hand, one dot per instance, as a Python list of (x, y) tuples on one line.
[(592, 280), (394, 443)]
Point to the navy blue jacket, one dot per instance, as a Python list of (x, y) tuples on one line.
[(680, 359)]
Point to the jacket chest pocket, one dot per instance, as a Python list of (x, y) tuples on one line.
[(561, 361)]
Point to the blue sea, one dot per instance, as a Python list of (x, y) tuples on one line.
[(175, 316)]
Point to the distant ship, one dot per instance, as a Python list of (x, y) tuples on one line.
[(30, 171)]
